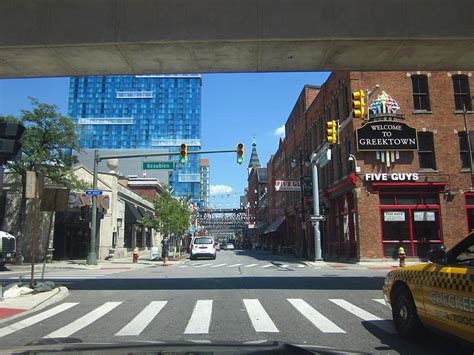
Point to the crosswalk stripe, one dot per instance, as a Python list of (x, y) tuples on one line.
[(200, 318), (365, 316), (59, 277), (203, 265), (285, 265), (260, 319), (234, 265), (141, 321), (250, 265), (300, 265), (219, 265), (184, 266), (84, 321), (379, 300), (35, 319), (268, 265), (319, 321)]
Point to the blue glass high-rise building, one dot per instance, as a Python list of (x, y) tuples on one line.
[(141, 112)]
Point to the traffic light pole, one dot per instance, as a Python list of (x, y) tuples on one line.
[(316, 212), (92, 257)]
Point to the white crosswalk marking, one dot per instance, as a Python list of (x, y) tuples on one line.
[(141, 321), (35, 319), (61, 277), (251, 265), (200, 319), (365, 316), (218, 265), (184, 266), (319, 321), (234, 265), (379, 300), (260, 319), (285, 265), (84, 321), (300, 265), (268, 265)]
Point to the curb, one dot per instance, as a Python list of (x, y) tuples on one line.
[(62, 293)]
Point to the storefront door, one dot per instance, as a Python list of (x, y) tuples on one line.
[(411, 220)]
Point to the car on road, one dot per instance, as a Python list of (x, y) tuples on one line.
[(203, 247), (7, 248), (218, 246), (438, 295), (229, 246)]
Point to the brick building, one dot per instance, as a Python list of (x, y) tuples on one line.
[(377, 200)]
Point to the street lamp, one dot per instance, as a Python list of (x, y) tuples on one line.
[(356, 167)]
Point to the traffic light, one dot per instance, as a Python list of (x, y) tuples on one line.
[(240, 153), (183, 153), (331, 131), (358, 104)]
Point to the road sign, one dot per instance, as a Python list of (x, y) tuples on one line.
[(93, 192), (158, 165), (324, 158), (320, 218)]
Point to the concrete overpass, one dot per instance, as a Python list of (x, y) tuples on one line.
[(102, 37)]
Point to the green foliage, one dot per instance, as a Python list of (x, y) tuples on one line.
[(172, 215), (47, 142)]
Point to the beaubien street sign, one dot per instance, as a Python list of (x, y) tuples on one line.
[(93, 192), (158, 165)]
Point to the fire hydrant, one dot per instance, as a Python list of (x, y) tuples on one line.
[(135, 255), (401, 256)]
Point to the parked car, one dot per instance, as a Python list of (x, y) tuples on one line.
[(7, 248), (229, 246), (438, 295), (203, 247)]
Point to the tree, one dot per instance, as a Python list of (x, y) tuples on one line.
[(48, 142), (172, 215)]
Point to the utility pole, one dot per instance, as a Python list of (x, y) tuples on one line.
[(317, 234)]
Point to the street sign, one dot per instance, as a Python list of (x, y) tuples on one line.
[(287, 185), (320, 218), (93, 192), (158, 165), (324, 158)]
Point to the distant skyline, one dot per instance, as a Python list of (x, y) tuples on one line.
[(235, 108)]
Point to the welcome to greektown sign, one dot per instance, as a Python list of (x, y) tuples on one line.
[(386, 135)]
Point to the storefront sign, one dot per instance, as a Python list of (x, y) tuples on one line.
[(394, 216), (78, 200), (424, 216), (392, 177), (287, 185), (386, 135)]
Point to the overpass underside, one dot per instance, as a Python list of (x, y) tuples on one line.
[(90, 37)]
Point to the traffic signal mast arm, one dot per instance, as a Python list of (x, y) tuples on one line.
[(161, 154)]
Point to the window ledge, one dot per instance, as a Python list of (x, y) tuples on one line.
[(465, 170), (460, 112), (427, 171), (422, 112)]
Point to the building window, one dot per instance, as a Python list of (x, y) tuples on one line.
[(464, 150), (421, 98), (426, 153), (462, 95), (470, 211), (345, 101)]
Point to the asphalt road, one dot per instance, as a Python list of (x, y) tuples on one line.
[(239, 297)]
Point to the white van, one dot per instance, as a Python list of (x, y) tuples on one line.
[(203, 247)]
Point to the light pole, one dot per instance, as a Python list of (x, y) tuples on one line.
[(317, 234), (304, 251)]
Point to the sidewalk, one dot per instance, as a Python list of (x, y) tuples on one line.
[(11, 308)]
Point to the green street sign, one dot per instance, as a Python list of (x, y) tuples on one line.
[(158, 165)]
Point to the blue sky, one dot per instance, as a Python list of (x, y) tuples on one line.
[(235, 108)]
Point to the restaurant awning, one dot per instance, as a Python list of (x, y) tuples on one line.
[(275, 225), (132, 215)]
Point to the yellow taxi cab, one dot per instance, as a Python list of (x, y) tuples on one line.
[(438, 295)]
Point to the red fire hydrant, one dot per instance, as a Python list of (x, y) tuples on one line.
[(401, 256), (135, 255)]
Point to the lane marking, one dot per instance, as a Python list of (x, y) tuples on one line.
[(379, 300), (285, 265), (250, 265), (35, 319), (184, 266), (219, 265), (200, 318), (260, 319), (84, 321), (141, 321), (234, 265), (203, 265), (61, 277), (301, 266), (365, 316), (268, 265), (319, 321)]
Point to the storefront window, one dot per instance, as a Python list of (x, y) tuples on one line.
[(470, 212), (415, 225)]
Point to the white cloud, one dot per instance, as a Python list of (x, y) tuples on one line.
[(280, 131), (220, 189)]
